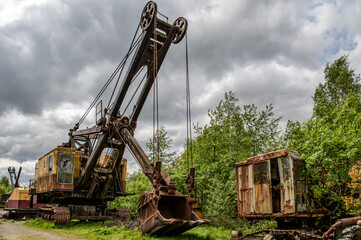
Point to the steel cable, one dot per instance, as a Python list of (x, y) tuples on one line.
[(188, 109), (131, 99), (126, 58), (120, 66)]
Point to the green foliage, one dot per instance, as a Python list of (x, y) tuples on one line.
[(262, 128), (340, 82), (161, 144), (4, 186), (138, 184), (104, 231), (330, 141), (292, 133), (231, 136), (4, 181)]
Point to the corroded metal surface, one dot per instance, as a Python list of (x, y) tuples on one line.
[(166, 214), (165, 211), (272, 185), (340, 224), (277, 232), (339, 230), (59, 215)]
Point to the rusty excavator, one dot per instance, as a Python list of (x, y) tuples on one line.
[(77, 178)]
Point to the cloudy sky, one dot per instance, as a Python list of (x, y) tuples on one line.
[(56, 55)]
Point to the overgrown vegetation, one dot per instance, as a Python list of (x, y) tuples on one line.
[(232, 135), (330, 142), (139, 183), (5, 187)]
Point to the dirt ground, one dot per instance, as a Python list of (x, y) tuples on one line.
[(17, 231)]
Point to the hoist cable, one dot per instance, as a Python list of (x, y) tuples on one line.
[(157, 92), (188, 109), (155, 96), (126, 58), (163, 15), (120, 66), (153, 129), (131, 99)]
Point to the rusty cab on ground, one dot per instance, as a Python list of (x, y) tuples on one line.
[(77, 178), (274, 186)]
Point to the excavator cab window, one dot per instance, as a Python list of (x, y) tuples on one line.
[(65, 168), (50, 162)]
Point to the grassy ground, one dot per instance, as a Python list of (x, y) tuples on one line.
[(90, 230)]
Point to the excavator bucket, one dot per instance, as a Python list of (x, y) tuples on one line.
[(167, 214)]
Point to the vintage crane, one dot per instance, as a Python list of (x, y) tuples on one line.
[(77, 178)]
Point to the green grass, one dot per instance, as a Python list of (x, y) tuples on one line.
[(91, 230)]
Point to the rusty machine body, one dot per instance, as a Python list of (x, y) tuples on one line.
[(274, 186), (77, 180)]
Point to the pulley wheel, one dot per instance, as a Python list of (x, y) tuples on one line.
[(182, 24), (148, 15)]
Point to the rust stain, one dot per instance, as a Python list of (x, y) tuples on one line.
[(267, 186)]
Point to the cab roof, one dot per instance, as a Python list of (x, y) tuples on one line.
[(270, 155)]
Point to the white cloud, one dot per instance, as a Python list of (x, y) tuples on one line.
[(11, 11), (58, 54)]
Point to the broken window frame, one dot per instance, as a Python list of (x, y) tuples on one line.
[(286, 168), (301, 191), (260, 171), (65, 172)]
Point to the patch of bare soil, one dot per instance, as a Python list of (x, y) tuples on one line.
[(10, 230)]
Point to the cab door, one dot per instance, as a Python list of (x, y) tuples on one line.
[(245, 187), (287, 189), (262, 190)]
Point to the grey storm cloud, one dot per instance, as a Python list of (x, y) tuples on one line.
[(43, 52), (56, 55)]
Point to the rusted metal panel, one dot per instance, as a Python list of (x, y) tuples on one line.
[(89, 131), (49, 184), (267, 156), (245, 195), (165, 211), (166, 214), (46, 171), (276, 189), (287, 190), (250, 193), (261, 188), (262, 198)]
